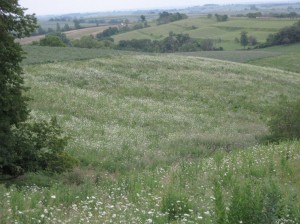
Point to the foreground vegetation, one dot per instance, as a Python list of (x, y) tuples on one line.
[(160, 138)]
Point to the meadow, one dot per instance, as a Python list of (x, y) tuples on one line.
[(160, 138)]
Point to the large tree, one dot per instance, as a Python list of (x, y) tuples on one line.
[(13, 107), (24, 146)]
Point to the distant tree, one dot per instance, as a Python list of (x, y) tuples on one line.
[(107, 33), (41, 31), (66, 27), (252, 40), (126, 22), (254, 15), (293, 15), (76, 24), (166, 17), (58, 27), (207, 45), (221, 18), (50, 30), (244, 39), (143, 18), (253, 7), (209, 15)]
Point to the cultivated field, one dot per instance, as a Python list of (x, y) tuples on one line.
[(72, 34), (160, 139)]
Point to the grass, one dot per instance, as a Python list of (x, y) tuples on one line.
[(153, 134), (288, 58), (40, 55), (285, 57), (234, 56)]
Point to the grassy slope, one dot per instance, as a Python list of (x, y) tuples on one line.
[(142, 127), (210, 28), (185, 94), (286, 57)]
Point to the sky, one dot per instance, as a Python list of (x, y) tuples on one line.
[(53, 7)]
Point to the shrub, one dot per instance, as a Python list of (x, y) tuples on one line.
[(285, 121), (55, 39), (52, 41), (37, 146), (87, 42)]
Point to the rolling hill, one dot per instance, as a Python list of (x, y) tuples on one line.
[(204, 28), (160, 139)]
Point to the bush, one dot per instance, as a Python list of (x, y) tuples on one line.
[(285, 122), (55, 40), (37, 146), (87, 42), (52, 41)]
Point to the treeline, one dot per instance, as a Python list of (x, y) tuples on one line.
[(286, 35), (172, 43), (166, 17), (291, 15), (88, 20)]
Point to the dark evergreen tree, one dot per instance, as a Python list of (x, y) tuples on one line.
[(22, 143), (244, 39), (13, 104)]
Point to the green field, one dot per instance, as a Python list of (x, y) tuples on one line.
[(156, 132), (203, 28)]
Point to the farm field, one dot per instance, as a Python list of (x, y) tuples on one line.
[(285, 57), (203, 28), (72, 34), (160, 138)]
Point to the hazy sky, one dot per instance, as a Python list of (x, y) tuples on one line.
[(50, 7)]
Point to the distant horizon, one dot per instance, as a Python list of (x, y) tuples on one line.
[(55, 7)]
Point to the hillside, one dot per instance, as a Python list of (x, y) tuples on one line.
[(285, 57), (159, 138), (203, 28)]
